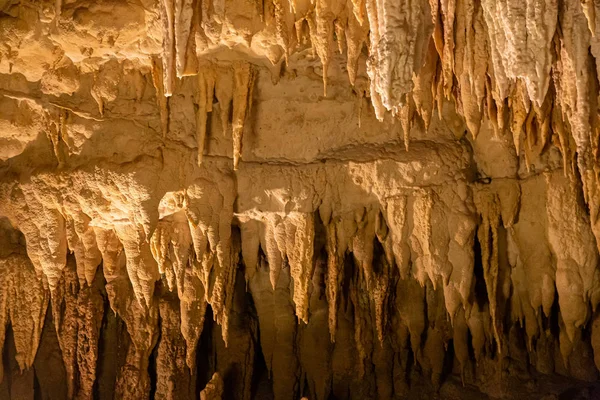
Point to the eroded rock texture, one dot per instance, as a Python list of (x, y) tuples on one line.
[(326, 199)]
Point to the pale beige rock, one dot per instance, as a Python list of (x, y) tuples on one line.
[(276, 207)]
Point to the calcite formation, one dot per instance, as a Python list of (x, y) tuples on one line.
[(320, 199)]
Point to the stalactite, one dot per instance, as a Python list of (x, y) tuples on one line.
[(162, 101), (470, 61), (577, 281), (357, 31), (90, 310), (406, 116), (183, 12), (170, 358), (171, 246), (281, 27), (160, 246), (210, 225), (363, 335), (334, 277), (289, 239), (54, 133), (396, 220), (380, 296), (236, 360), (192, 305), (224, 91), (573, 86), (458, 275), (271, 245), (448, 11), (322, 35), (420, 239), (133, 381), (206, 88), (423, 85), (64, 313), (225, 283), (167, 10), (520, 109), (374, 38), (25, 306), (242, 100), (399, 40), (362, 243), (487, 235), (81, 239), (300, 236), (113, 255), (44, 230), (141, 265), (339, 25), (214, 389), (480, 326), (250, 246), (517, 31), (141, 319)]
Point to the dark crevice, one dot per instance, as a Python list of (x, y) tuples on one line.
[(11, 369), (50, 380), (243, 317), (378, 256), (504, 270), (551, 322), (481, 295), (320, 238), (261, 382), (204, 351), (152, 365), (347, 277), (6, 355), (112, 347), (100, 283), (37, 391), (230, 115), (411, 365), (448, 361)]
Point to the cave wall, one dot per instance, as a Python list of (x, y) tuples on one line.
[(286, 199)]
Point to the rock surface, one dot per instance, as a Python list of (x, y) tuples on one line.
[(318, 199)]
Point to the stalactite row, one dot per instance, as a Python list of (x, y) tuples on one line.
[(511, 62), (532, 74), (480, 54), (402, 277), (232, 84), (407, 266)]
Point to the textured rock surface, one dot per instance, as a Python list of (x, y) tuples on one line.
[(299, 199)]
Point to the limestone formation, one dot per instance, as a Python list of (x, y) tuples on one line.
[(289, 199)]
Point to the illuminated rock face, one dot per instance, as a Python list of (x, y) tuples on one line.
[(329, 199)]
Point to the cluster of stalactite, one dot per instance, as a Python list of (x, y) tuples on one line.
[(334, 295), (527, 66), (338, 277)]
